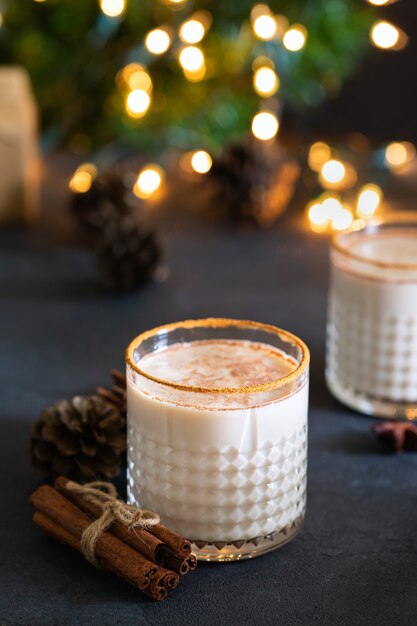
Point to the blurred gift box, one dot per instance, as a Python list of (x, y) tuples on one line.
[(19, 158)]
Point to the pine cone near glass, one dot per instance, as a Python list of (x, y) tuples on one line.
[(83, 438)]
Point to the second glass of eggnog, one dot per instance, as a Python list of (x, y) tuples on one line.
[(372, 325), (217, 433)]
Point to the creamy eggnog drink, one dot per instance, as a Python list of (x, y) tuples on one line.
[(217, 444), (372, 326)]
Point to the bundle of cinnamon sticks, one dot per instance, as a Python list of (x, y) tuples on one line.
[(151, 560)]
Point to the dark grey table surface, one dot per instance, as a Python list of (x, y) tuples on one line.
[(355, 560)]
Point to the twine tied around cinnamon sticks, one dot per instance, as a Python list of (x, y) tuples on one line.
[(150, 559), (104, 495)]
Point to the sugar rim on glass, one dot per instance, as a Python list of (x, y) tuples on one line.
[(213, 322), (402, 218)]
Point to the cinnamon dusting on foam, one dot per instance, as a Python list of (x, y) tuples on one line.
[(214, 363)]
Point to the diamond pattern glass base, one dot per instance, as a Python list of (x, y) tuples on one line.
[(246, 549), (380, 407), (371, 363), (220, 494)]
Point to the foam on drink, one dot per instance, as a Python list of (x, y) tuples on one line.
[(219, 363)]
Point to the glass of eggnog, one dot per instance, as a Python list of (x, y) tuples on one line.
[(217, 433), (372, 321)]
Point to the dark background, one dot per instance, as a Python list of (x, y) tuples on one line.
[(380, 99)]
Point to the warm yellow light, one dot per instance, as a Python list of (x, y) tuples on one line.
[(82, 178), (262, 61), (318, 154), (192, 31), (333, 212), (317, 214), (331, 206), (195, 77), (191, 59), (258, 10), (264, 27), (149, 180), (88, 167), (185, 161), (124, 74), (175, 1), (80, 182), (282, 25), (342, 219), (201, 161), (332, 172), (395, 154), (265, 81), (140, 79), (157, 41), (295, 38), (112, 8), (204, 17), (399, 153), (384, 35), (265, 125), (368, 201), (137, 103), (380, 3), (134, 76)]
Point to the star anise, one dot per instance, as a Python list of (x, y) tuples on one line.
[(400, 436)]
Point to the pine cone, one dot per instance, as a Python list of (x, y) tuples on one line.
[(126, 257), (83, 439), (116, 395), (254, 182), (104, 203)]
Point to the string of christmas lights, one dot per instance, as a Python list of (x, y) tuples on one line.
[(186, 43), (343, 200), (274, 45)]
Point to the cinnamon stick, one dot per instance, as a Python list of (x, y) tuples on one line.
[(178, 563), (177, 543), (175, 562), (166, 578), (114, 555), (192, 562), (56, 531), (156, 591), (163, 581), (139, 539)]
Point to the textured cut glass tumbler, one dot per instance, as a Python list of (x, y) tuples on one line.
[(224, 466), (371, 360)]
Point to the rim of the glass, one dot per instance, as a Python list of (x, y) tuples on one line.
[(393, 219), (214, 322)]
